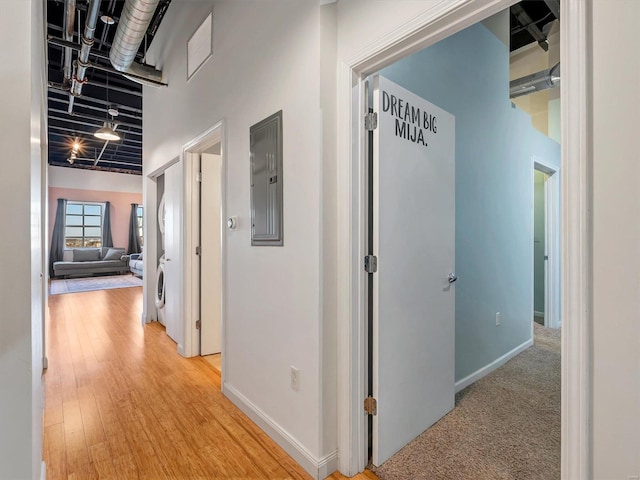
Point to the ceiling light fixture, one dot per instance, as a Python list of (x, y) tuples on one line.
[(107, 133), (108, 130), (107, 19)]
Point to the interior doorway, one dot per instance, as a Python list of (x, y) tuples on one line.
[(421, 105), (211, 256), (205, 243), (546, 244)]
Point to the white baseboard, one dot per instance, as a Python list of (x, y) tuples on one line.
[(328, 465), (317, 468), (487, 369)]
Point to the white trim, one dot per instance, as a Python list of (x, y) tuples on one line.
[(190, 153), (318, 468), (487, 369), (43, 471), (552, 251), (575, 33), (436, 23), (441, 21), (328, 465), (552, 207)]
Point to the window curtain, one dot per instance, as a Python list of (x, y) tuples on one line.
[(134, 240), (56, 251), (107, 240)]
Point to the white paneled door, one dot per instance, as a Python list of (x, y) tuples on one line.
[(413, 289), (210, 258), (173, 193)]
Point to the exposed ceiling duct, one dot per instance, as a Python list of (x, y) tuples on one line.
[(535, 82), (79, 79), (67, 32), (133, 24)]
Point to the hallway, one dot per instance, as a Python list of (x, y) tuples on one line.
[(121, 403)]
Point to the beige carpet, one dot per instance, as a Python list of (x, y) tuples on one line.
[(506, 426)]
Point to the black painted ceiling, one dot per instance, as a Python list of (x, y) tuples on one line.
[(529, 23), (530, 20), (103, 89)]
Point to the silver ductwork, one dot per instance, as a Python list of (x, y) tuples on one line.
[(134, 21), (535, 82), (79, 79), (67, 34)]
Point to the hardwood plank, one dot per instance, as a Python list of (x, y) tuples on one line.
[(121, 403)]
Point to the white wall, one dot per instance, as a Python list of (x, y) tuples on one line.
[(21, 191), (63, 177), (361, 21), (266, 58), (616, 240)]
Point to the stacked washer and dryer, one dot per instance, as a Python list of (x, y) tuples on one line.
[(160, 277)]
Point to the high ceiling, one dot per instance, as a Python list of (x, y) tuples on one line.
[(531, 20), (105, 87)]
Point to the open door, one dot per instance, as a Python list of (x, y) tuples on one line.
[(413, 291), (210, 257), (552, 251)]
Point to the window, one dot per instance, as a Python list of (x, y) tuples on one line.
[(83, 225), (139, 213)]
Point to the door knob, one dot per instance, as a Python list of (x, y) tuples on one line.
[(452, 277)]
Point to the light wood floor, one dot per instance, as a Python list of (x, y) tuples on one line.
[(121, 403)]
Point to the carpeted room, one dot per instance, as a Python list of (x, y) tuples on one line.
[(506, 425)]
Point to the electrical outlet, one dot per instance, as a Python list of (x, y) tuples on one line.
[(498, 318), (295, 378)]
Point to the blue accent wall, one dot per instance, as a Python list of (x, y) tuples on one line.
[(468, 75)]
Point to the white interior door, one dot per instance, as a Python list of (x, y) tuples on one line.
[(552, 251), (210, 260), (173, 188), (414, 239)]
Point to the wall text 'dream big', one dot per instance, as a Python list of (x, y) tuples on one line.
[(411, 122)]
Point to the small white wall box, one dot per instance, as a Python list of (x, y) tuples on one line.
[(266, 182)]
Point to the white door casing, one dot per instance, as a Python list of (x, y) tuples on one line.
[(414, 239), (432, 25), (210, 254)]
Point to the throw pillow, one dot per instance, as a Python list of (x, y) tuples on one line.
[(114, 254), (86, 254)]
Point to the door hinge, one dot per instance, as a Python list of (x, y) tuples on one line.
[(197, 250), (198, 324), (370, 406), (199, 177), (370, 121), (371, 264)]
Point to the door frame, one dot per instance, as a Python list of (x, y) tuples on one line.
[(191, 154), (552, 241), (440, 21)]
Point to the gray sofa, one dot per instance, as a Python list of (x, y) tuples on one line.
[(84, 262), (135, 264)]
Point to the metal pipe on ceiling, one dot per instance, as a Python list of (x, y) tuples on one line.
[(134, 21), (535, 82), (98, 119), (80, 122), (79, 79), (67, 30), (59, 89), (99, 109), (137, 74)]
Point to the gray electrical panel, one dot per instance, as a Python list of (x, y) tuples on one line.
[(266, 181)]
